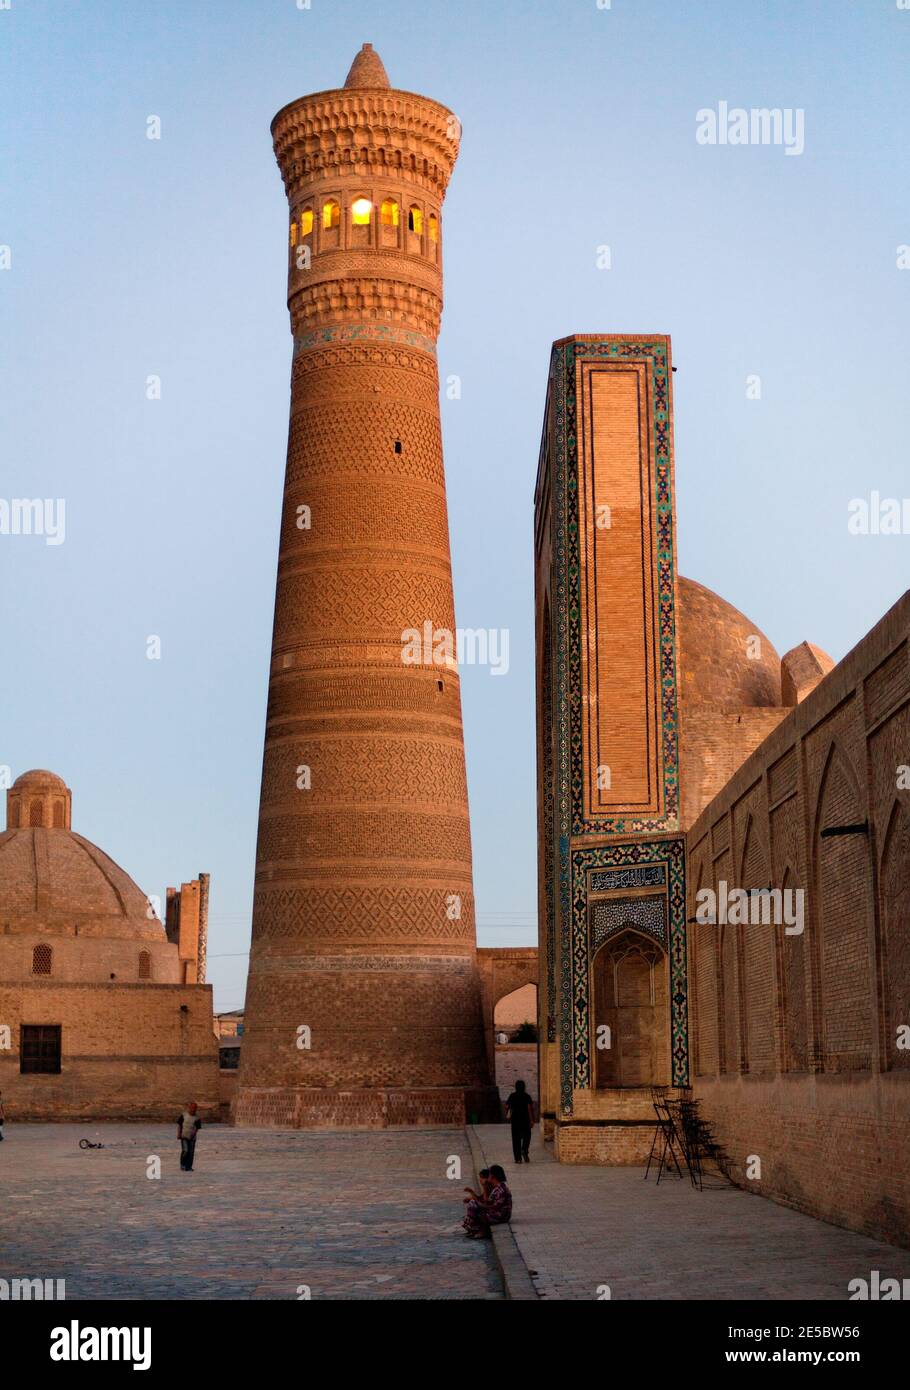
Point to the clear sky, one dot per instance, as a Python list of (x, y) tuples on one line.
[(132, 257)]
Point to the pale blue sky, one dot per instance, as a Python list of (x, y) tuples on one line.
[(132, 257)]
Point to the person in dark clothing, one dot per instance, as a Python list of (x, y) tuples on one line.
[(520, 1110), (188, 1127)]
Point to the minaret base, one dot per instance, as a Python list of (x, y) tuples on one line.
[(322, 1107)]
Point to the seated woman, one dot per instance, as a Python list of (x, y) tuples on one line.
[(486, 1182), (492, 1208)]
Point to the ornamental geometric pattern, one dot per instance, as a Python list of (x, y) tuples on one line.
[(362, 333), (371, 835), (612, 915), (575, 1042), (329, 439), (364, 769), (568, 569), (360, 601), (357, 913)]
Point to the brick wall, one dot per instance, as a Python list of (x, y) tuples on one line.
[(129, 1051), (514, 1060), (797, 1054)]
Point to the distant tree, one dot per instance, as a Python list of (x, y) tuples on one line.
[(525, 1033)]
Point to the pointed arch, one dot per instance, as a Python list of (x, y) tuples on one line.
[(704, 990), (894, 890), (631, 1001), (793, 989), (844, 1028), (757, 942)]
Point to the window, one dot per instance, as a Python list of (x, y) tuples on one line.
[(306, 222), (42, 960), (36, 813), (145, 965), (433, 226), (388, 213), (293, 233), (58, 815), (415, 220), (39, 1048), (13, 815), (229, 1058), (331, 214), (361, 211)]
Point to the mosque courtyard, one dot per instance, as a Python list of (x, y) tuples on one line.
[(287, 1214)]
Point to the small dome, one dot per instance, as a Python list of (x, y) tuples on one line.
[(367, 69), (39, 798), (38, 779), (725, 660)]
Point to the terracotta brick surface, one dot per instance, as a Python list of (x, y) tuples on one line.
[(363, 918), (796, 1037)]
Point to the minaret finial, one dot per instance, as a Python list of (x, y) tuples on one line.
[(367, 69)]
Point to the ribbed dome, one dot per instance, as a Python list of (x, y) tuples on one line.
[(367, 69), (59, 881), (715, 642)]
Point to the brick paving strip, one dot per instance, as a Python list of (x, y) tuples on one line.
[(352, 1215), (582, 1229)]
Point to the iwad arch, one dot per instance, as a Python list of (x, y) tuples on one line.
[(630, 979)]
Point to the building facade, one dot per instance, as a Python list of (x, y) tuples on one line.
[(363, 917), (680, 760), (613, 1002), (800, 1029), (97, 1016)]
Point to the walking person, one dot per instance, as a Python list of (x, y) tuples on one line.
[(520, 1110), (188, 1127)]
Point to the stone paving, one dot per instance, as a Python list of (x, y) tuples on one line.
[(351, 1215), (579, 1228)]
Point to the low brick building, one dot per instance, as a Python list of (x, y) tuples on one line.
[(102, 1011)]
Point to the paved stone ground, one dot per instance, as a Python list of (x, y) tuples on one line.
[(581, 1227), (352, 1215)]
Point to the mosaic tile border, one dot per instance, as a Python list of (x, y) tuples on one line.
[(363, 333), (671, 853), (567, 561)]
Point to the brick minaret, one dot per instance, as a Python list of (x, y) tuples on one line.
[(363, 1004)]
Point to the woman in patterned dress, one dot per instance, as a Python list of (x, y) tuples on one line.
[(492, 1209)]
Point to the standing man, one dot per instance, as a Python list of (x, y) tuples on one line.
[(520, 1110), (188, 1126)]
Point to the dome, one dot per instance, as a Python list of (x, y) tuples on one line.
[(38, 779), (367, 69), (61, 881), (724, 659)]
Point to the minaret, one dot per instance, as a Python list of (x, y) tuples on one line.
[(363, 1000)]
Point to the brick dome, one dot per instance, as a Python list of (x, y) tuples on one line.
[(715, 642), (56, 881), (39, 779)]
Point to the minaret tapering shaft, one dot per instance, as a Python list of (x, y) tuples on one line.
[(363, 1003)]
